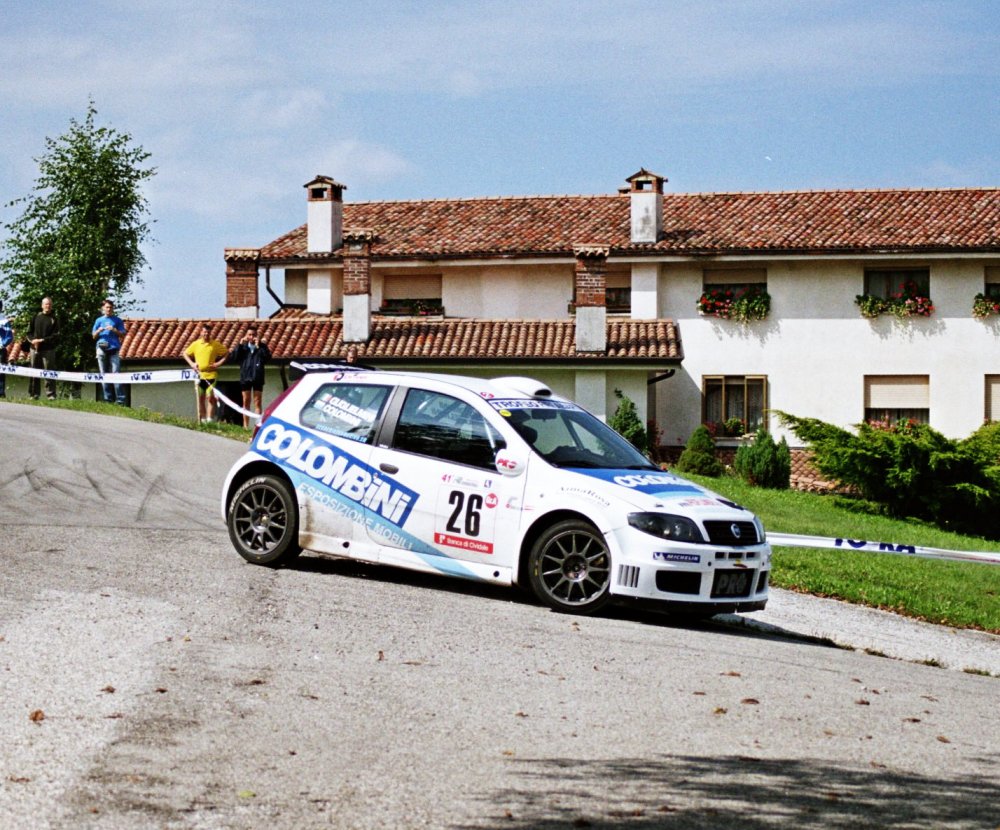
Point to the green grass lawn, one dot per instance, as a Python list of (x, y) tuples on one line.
[(961, 594), (141, 414)]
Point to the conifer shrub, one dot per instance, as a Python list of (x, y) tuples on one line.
[(763, 463), (626, 423), (913, 470), (699, 455)]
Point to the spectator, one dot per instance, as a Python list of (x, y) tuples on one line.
[(6, 338), (205, 356), (108, 331), (252, 354), (43, 336)]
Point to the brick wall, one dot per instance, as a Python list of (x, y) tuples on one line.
[(357, 263), (590, 278), (241, 278)]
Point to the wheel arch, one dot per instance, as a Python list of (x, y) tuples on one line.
[(255, 468), (538, 527)]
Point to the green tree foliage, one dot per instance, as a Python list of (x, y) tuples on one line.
[(913, 470), (699, 455), (764, 463), (626, 423), (79, 236)]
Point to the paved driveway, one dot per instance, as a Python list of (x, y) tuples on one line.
[(151, 678)]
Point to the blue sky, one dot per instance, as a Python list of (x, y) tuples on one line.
[(241, 103)]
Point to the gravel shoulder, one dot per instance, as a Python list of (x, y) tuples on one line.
[(875, 632)]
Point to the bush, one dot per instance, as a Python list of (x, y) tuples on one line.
[(913, 470), (626, 423), (764, 463), (699, 455)]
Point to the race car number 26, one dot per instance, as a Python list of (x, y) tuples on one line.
[(466, 527), (473, 506)]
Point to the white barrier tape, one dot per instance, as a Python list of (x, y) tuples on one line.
[(160, 376), (235, 406), (794, 540)]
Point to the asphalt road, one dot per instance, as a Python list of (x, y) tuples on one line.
[(150, 678)]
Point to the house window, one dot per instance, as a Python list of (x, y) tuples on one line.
[(411, 294), (737, 280), (992, 398), (618, 291), (728, 398), (992, 289), (886, 283), (893, 398)]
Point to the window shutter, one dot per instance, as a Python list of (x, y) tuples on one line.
[(897, 392), (993, 397), (727, 276), (416, 287)]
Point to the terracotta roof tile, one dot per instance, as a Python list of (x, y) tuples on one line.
[(702, 223), (293, 335)]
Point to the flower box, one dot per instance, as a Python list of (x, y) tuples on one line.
[(907, 303), (752, 303)]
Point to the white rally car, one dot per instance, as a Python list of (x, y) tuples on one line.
[(494, 480)]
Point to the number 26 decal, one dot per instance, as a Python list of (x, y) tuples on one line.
[(472, 507)]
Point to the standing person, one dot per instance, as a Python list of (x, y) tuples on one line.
[(252, 354), (6, 338), (43, 336), (108, 331), (205, 356)]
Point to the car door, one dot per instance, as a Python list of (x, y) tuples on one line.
[(444, 449), (331, 466)]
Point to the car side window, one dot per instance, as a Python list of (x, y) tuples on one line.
[(444, 427), (345, 409)]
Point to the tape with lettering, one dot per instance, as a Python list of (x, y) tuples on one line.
[(794, 540), (159, 376)]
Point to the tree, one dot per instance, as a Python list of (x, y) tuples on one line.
[(79, 236), (626, 423)]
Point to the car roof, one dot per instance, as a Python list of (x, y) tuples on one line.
[(500, 387)]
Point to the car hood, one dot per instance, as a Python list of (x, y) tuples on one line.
[(659, 490)]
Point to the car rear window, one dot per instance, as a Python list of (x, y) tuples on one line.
[(349, 410)]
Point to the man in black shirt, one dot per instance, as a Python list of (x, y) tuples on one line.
[(43, 334)]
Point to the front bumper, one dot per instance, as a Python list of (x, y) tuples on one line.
[(703, 576)]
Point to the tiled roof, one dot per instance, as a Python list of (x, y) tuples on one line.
[(294, 335), (829, 221)]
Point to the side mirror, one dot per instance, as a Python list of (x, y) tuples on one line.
[(510, 463)]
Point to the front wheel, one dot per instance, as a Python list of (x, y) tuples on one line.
[(570, 568), (263, 521)]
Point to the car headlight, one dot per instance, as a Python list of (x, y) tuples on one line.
[(761, 535), (666, 526)]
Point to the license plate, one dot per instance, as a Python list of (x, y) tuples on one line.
[(732, 583)]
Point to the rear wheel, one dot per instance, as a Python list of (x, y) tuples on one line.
[(569, 568), (263, 521)]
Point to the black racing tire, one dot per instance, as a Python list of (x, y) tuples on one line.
[(569, 568), (263, 521)]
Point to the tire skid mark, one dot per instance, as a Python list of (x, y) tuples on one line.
[(94, 484)]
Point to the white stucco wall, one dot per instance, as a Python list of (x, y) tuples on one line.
[(816, 349), (537, 292)]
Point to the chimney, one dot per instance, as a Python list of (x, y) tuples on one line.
[(357, 254), (242, 301), (646, 197), (589, 297), (325, 217)]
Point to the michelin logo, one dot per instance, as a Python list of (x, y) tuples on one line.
[(348, 477)]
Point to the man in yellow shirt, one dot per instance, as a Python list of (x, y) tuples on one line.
[(205, 356)]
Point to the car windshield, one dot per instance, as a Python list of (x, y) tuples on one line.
[(567, 436)]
